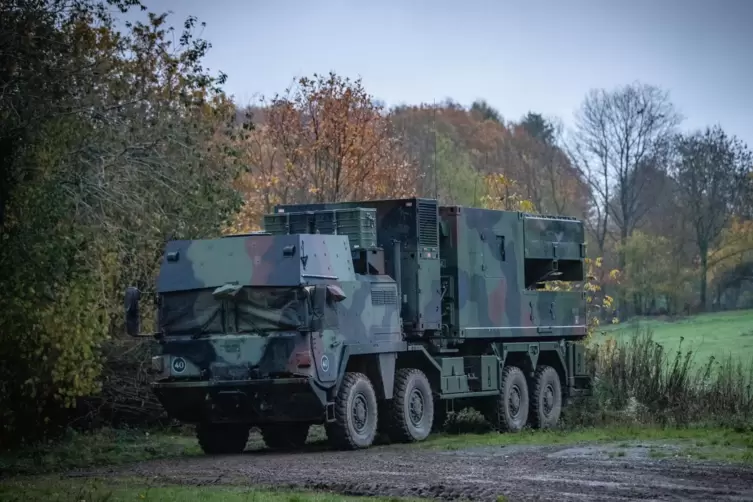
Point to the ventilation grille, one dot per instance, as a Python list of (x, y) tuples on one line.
[(383, 296), (427, 224)]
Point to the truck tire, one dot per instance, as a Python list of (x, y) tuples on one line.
[(356, 415), (546, 401), (222, 439), (291, 436), (412, 407), (508, 412)]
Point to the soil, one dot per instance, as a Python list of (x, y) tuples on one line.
[(520, 473)]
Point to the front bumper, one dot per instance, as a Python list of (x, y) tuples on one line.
[(249, 401)]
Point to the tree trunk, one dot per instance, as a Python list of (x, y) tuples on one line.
[(622, 297), (704, 277)]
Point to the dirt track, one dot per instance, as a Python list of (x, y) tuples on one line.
[(580, 473)]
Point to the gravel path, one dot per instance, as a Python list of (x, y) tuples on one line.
[(577, 472)]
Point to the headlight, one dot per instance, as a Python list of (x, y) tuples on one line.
[(158, 364)]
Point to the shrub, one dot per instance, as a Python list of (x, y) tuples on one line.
[(637, 380)]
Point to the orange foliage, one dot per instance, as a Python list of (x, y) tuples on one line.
[(502, 193), (735, 248), (540, 172), (324, 141)]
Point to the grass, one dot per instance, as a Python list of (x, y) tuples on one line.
[(102, 447), (82, 450), (725, 449), (731, 440), (111, 447), (716, 334), (66, 490)]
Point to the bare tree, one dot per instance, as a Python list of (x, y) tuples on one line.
[(619, 135), (713, 175)]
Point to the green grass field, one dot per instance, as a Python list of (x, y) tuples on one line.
[(718, 334), (58, 489)]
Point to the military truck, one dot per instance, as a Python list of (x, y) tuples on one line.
[(367, 317)]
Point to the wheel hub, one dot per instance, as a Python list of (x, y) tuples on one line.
[(360, 412), (514, 401), (548, 399), (416, 407)]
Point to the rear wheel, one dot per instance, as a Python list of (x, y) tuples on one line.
[(356, 415), (412, 407), (222, 439), (546, 399), (291, 436), (508, 412)]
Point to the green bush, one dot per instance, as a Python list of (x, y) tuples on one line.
[(115, 145), (637, 380)]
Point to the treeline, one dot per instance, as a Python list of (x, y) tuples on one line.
[(113, 142), (670, 210)]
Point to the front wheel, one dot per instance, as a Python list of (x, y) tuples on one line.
[(412, 407), (356, 416), (222, 439)]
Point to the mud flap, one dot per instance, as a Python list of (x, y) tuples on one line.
[(329, 412)]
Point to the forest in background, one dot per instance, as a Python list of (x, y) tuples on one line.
[(112, 143)]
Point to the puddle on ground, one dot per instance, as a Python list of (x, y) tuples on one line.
[(612, 451), (491, 451), (571, 480)]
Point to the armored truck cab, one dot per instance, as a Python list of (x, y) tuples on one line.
[(366, 316)]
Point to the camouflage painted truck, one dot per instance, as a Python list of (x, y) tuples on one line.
[(367, 317)]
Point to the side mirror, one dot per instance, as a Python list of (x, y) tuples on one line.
[(132, 319)]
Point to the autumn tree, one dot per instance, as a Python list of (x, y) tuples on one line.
[(619, 136), (544, 170), (457, 181), (501, 192), (460, 150), (485, 111), (650, 281), (325, 139), (713, 174), (731, 264), (436, 139), (539, 128)]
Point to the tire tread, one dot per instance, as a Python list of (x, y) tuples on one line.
[(399, 430), (339, 432)]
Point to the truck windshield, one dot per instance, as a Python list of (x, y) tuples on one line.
[(252, 310)]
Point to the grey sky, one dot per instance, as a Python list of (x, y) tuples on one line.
[(539, 55)]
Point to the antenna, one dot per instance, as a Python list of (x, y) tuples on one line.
[(436, 171)]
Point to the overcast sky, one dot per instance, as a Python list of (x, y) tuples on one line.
[(539, 55)]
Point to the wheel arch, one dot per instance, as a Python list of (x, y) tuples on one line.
[(379, 368), (420, 359)]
